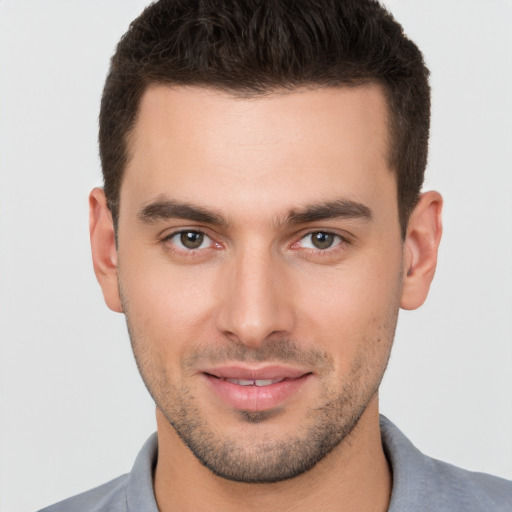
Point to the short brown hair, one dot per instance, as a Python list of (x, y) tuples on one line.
[(252, 47)]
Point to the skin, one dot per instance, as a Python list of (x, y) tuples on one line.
[(258, 291)]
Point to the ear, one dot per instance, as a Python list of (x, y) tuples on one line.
[(104, 251), (420, 249)]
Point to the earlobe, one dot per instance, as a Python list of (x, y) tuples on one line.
[(103, 246), (420, 249)]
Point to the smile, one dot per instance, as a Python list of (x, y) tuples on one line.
[(254, 382), (256, 389)]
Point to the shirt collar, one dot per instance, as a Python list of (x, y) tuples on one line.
[(139, 492)]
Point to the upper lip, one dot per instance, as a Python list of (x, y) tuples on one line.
[(268, 372)]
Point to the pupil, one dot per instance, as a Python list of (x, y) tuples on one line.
[(322, 240), (191, 239)]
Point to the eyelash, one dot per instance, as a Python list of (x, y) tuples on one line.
[(339, 242), (185, 250)]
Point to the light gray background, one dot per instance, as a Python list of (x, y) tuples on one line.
[(74, 411)]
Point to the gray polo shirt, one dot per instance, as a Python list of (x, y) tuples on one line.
[(420, 484)]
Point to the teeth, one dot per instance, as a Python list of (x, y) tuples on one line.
[(263, 382), (254, 382), (241, 382)]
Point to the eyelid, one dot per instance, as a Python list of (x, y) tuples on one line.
[(342, 239), (170, 232), (168, 238)]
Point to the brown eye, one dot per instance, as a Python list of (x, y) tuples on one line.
[(322, 240), (191, 239)]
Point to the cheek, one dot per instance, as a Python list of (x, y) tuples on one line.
[(353, 308), (166, 305)]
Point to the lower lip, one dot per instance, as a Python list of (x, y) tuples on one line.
[(256, 398)]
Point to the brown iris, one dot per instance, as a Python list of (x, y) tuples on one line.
[(191, 239), (322, 240)]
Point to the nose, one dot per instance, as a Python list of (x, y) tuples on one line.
[(256, 302)]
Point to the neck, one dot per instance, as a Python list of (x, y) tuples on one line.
[(355, 476)]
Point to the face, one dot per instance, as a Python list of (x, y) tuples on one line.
[(260, 269)]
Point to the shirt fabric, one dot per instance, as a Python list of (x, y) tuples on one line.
[(420, 484)]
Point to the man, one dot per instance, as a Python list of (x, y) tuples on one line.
[(260, 226)]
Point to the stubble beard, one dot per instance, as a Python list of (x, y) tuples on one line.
[(264, 461), (257, 460)]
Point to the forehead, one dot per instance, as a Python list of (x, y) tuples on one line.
[(292, 147)]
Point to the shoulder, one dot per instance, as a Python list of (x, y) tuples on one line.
[(421, 483), (470, 490), (133, 491), (109, 497)]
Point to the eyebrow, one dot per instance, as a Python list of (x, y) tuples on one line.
[(341, 208), (164, 209)]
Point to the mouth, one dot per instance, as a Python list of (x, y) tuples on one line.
[(254, 382), (256, 389)]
